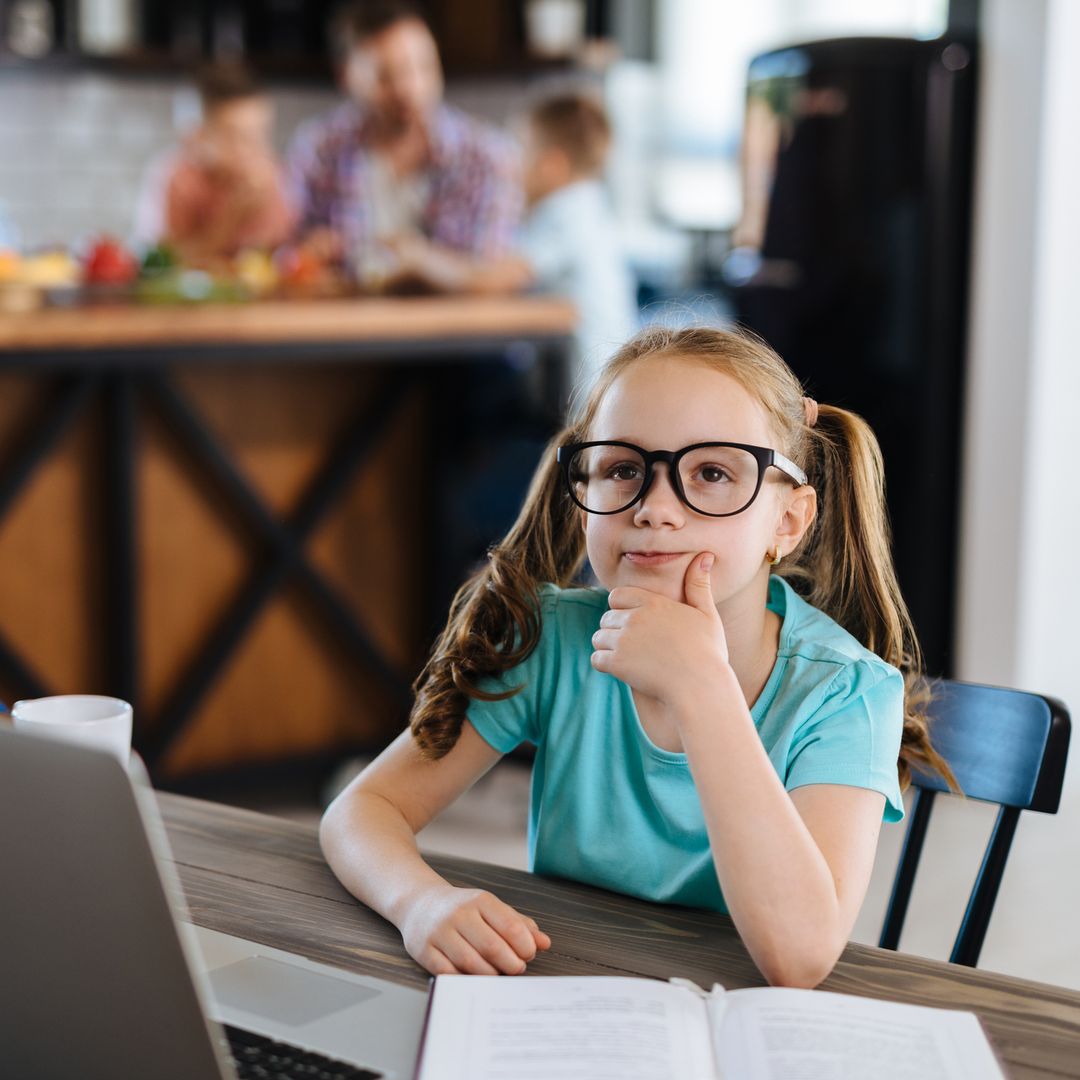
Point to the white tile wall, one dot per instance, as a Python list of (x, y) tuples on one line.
[(74, 146)]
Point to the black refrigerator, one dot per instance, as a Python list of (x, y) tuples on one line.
[(851, 260)]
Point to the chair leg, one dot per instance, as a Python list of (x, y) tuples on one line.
[(981, 905), (905, 874)]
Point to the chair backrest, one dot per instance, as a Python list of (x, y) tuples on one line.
[(1005, 746)]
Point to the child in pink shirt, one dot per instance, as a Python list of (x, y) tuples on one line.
[(223, 189)]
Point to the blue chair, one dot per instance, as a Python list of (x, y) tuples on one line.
[(1005, 746)]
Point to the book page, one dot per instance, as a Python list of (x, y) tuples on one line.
[(781, 1034), (489, 1027)]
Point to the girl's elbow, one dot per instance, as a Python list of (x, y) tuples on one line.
[(796, 976), (799, 970), (327, 828), (334, 822)]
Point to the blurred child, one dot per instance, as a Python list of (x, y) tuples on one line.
[(223, 189), (569, 244)]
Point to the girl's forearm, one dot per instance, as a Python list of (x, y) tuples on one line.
[(372, 851), (776, 881)]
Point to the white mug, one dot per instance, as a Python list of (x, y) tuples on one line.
[(103, 722)]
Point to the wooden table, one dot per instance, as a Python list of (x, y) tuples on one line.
[(263, 878), (218, 512)]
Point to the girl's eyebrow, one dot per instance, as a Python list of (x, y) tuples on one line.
[(678, 445)]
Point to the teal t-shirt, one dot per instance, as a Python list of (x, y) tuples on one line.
[(610, 808)]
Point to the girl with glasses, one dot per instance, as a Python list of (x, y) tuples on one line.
[(723, 723)]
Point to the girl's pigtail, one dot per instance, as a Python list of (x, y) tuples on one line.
[(494, 621), (846, 569)]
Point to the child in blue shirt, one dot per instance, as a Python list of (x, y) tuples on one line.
[(569, 243), (724, 724), (570, 238)]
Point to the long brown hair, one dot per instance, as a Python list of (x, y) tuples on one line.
[(843, 565)]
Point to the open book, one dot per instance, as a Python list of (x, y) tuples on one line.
[(483, 1027)]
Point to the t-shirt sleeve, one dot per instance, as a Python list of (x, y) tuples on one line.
[(507, 723), (853, 738), (546, 251)]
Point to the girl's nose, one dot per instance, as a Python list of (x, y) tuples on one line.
[(660, 505)]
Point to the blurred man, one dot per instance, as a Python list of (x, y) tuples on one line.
[(395, 160), (222, 190)]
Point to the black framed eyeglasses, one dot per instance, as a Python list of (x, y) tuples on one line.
[(717, 479)]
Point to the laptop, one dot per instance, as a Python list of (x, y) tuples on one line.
[(103, 978)]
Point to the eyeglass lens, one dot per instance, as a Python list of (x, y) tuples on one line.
[(715, 479)]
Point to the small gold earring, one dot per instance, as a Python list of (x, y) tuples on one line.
[(775, 557)]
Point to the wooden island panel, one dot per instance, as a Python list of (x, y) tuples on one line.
[(291, 690), (51, 595), (288, 691)]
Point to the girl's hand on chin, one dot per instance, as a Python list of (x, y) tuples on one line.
[(659, 646)]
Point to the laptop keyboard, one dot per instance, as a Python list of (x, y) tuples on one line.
[(259, 1058)]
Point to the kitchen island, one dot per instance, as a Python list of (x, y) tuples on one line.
[(235, 515)]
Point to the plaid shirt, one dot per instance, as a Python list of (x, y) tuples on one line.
[(474, 199)]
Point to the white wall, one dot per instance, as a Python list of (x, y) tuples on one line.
[(1048, 637), (999, 355), (1042, 893), (1019, 599)]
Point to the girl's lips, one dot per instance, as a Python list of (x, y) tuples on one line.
[(652, 558)]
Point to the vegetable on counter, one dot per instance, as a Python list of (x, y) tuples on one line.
[(109, 272), (108, 262)]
